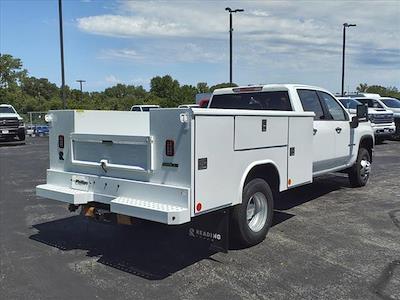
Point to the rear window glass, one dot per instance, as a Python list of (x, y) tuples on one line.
[(370, 102), (253, 101)]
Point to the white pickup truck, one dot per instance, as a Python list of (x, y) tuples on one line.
[(173, 165)]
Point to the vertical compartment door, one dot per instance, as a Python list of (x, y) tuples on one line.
[(300, 151)]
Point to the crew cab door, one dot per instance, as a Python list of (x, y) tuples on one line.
[(324, 153), (341, 124)]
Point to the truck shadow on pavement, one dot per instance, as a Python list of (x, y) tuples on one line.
[(151, 250)]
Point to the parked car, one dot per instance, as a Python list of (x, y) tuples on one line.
[(189, 106), (394, 105), (11, 123), (236, 156), (30, 130), (382, 120), (42, 130), (144, 107)]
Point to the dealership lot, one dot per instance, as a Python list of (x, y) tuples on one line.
[(328, 241)]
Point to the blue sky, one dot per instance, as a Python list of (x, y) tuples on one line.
[(107, 42)]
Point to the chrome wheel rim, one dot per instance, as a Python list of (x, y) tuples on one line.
[(365, 168), (256, 212)]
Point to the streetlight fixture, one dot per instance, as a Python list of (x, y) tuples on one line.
[(230, 38), (80, 84), (345, 25), (62, 54)]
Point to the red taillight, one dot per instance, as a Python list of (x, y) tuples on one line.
[(204, 103), (60, 141), (169, 148)]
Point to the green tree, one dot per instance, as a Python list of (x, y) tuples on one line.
[(390, 91), (11, 71), (202, 87), (222, 85), (362, 87), (41, 87), (165, 87)]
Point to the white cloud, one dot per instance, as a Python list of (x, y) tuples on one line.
[(112, 79), (270, 36), (123, 53)]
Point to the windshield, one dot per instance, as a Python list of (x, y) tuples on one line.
[(370, 102), (391, 103), (6, 110), (253, 101), (350, 103)]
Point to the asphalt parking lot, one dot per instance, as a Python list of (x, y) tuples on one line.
[(328, 241)]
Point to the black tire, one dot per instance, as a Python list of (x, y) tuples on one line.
[(358, 175), (21, 136), (240, 228)]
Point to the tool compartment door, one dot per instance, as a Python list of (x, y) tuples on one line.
[(300, 150), (213, 162), (252, 132)]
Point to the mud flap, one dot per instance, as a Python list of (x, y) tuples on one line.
[(212, 227)]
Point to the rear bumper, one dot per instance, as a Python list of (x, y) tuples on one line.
[(149, 201)]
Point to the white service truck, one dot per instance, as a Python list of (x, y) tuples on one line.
[(174, 165)]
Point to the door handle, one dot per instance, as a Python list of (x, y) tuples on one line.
[(338, 129), (315, 131)]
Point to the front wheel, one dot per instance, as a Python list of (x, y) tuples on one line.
[(21, 136), (360, 171), (252, 219)]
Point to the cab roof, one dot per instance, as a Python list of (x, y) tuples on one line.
[(265, 88)]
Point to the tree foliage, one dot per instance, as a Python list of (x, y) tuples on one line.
[(28, 93), (390, 91)]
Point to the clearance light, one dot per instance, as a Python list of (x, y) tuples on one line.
[(198, 206), (61, 141), (247, 89), (169, 148)]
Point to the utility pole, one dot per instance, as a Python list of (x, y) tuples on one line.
[(345, 25), (80, 84), (230, 38), (62, 54)]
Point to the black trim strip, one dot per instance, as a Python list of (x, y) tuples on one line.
[(258, 148)]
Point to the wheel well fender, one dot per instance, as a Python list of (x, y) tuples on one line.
[(367, 142), (266, 170)]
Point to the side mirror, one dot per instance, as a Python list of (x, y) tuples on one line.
[(362, 112), (354, 122)]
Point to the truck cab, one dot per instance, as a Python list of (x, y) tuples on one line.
[(382, 120), (174, 165), (11, 123)]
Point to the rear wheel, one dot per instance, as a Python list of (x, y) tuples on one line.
[(252, 219), (360, 171)]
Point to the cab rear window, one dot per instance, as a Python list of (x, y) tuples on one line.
[(253, 101)]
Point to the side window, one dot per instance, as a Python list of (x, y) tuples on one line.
[(310, 101), (136, 108), (334, 108)]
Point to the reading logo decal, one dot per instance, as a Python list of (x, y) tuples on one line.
[(198, 233)]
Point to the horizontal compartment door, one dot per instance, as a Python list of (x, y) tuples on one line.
[(113, 151), (254, 132)]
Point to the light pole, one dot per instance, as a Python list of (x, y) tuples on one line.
[(345, 25), (230, 38), (80, 84), (62, 54)]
